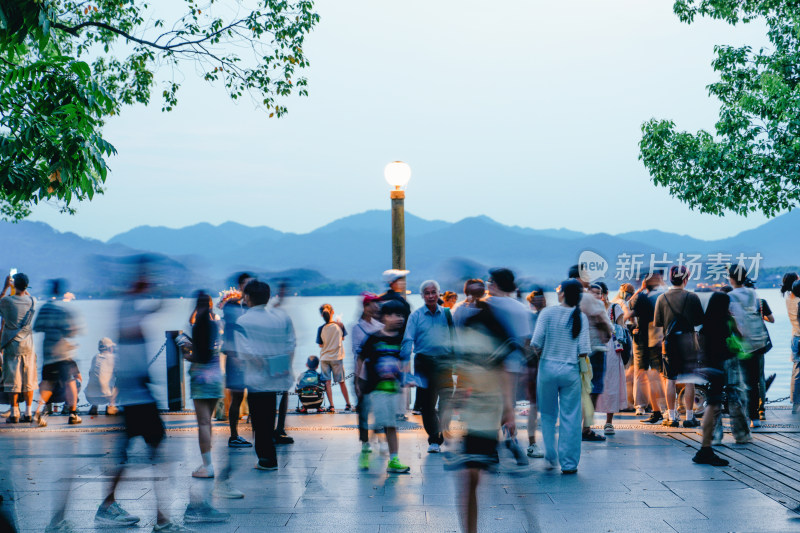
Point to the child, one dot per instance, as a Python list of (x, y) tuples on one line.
[(310, 380), (382, 366)]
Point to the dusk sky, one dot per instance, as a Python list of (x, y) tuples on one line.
[(529, 113)]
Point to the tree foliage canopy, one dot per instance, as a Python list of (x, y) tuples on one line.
[(751, 163), (67, 65)]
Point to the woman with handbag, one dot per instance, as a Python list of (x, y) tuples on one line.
[(614, 397)]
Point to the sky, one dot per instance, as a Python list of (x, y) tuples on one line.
[(528, 112)]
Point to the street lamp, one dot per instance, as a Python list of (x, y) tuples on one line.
[(397, 175)]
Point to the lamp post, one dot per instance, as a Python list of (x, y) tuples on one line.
[(397, 175)]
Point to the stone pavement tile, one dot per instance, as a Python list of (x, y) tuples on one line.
[(361, 518), (355, 503), (704, 485), (686, 471), (651, 498), (617, 524), (488, 520), (767, 524)]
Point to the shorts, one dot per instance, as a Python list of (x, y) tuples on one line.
[(385, 406), (332, 370), (481, 450), (60, 372), (598, 361), (142, 420), (19, 366), (234, 373), (649, 358)]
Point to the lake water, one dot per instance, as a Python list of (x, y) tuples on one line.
[(100, 319)]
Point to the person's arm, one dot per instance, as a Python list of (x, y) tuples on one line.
[(658, 313), (584, 346), (619, 315), (319, 336), (540, 332), (408, 338), (766, 312), (509, 381)]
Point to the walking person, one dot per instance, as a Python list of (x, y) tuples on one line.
[(791, 296), (140, 411), (614, 397), (429, 335), (484, 347), (679, 311), (330, 338), (16, 344), (367, 324), (383, 367), (562, 339), (60, 325), (233, 308), (648, 363), (205, 385), (396, 279), (265, 342), (718, 328), (745, 309), (537, 302)]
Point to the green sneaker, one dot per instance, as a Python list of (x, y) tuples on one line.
[(396, 467), (363, 461)]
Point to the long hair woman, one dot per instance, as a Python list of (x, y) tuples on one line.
[(792, 299), (562, 338)]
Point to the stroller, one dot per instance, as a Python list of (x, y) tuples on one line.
[(310, 392)]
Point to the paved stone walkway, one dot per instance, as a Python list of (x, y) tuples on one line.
[(638, 481)]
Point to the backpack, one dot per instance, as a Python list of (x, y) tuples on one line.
[(623, 342), (747, 312), (680, 339)]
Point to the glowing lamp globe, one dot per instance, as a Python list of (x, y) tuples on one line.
[(397, 174)]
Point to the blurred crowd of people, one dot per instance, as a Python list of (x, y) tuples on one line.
[(648, 349)]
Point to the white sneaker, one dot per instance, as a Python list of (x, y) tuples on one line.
[(534, 451), (608, 429), (640, 411), (204, 472), (224, 490), (434, 448)]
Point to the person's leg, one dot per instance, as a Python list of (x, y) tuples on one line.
[(673, 414), (795, 388), (656, 390), (226, 402), (391, 439), (233, 413), (428, 396), (203, 410), (569, 430), (709, 421), (262, 416), (469, 518), (547, 392), (280, 428), (363, 418), (609, 418), (45, 393), (532, 407), (688, 400), (751, 368)]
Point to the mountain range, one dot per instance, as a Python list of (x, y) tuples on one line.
[(350, 253)]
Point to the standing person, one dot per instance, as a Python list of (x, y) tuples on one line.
[(205, 385), (330, 338), (265, 342), (367, 324), (16, 343), (429, 335), (792, 299), (280, 435), (562, 339), (59, 371), (623, 297), (537, 302), (647, 340), (102, 387), (484, 347), (614, 397), (139, 406), (679, 311), (383, 367), (600, 331), (749, 321), (233, 307), (718, 328)]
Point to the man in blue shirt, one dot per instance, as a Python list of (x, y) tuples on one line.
[(429, 335)]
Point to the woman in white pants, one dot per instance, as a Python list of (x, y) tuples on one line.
[(562, 339)]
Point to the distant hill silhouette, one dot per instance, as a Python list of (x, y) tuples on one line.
[(356, 249)]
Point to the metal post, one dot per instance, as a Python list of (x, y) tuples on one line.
[(398, 230), (175, 385)]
